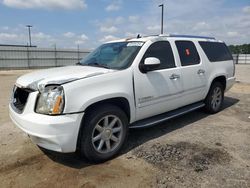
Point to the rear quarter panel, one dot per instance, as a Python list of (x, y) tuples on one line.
[(216, 69)]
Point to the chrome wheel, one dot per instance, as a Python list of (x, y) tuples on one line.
[(216, 98), (107, 133)]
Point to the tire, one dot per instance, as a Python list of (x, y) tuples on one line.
[(103, 133), (215, 98)]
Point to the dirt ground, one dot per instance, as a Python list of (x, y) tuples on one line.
[(195, 150)]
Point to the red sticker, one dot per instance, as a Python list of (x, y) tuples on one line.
[(187, 52)]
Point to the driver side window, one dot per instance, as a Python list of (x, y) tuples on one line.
[(163, 51)]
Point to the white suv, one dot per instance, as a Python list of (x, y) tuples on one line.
[(129, 83)]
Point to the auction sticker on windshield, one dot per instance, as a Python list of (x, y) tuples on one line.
[(135, 44)]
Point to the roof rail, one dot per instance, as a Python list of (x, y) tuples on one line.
[(191, 36), (180, 36)]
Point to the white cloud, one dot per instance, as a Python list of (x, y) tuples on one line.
[(5, 28), (201, 26), (7, 36), (81, 39), (69, 34), (154, 28), (19, 35), (108, 38), (232, 34), (246, 9), (114, 6), (118, 20), (133, 19), (78, 42), (46, 4), (108, 22), (111, 29), (22, 38), (230, 24), (129, 34), (13, 38), (194, 17), (84, 37), (40, 36)]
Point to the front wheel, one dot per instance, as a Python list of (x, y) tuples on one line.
[(215, 98), (104, 133)]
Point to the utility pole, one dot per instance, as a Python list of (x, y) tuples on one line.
[(162, 14), (29, 26)]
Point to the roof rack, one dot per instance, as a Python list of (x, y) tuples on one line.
[(175, 35), (191, 36)]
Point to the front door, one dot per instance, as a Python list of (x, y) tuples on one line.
[(159, 90)]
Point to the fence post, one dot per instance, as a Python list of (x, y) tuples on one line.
[(55, 56), (78, 54), (28, 56)]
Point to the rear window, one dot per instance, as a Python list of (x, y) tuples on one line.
[(216, 51), (188, 53)]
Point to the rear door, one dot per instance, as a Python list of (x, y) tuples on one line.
[(159, 90), (193, 72)]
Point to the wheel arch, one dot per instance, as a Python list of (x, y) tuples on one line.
[(221, 79), (121, 102)]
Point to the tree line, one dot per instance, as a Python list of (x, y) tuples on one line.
[(240, 49)]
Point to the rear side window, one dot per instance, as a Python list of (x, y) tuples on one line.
[(188, 53), (216, 51), (163, 51)]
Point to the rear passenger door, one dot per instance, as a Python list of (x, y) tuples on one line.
[(159, 90), (193, 72)]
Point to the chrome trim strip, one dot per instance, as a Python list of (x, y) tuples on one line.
[(168, 95)]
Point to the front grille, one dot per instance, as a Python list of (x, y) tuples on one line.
[(19, 98)]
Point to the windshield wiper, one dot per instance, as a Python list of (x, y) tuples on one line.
[(99, 65), (78, 63)]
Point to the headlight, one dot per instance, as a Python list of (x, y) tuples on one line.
[(50, 100)]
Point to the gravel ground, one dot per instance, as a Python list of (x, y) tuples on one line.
[(195, 150)]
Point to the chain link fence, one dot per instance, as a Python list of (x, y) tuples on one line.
[(241, 58), (25, 57)]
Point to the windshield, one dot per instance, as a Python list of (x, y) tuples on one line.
[(119, 55)]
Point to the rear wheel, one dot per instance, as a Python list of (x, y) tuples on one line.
[(215, 98), (104, 133)]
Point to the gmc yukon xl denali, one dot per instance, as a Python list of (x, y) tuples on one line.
[(129, 83)]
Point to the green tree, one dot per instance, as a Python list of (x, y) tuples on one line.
[(240, 49)]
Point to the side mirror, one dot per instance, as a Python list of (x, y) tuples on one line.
[(150, 64)]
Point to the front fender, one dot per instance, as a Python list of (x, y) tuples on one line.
[(83, 93)]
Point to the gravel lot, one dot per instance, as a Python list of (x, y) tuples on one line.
[(195, 150)]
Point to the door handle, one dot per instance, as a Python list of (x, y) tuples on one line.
[(201, 71), (174, 77)]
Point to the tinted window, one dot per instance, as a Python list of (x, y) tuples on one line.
[(188, 53), (216, 51), (163, 51)]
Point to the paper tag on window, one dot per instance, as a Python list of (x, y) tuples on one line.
[(135, 44), (187, 52)]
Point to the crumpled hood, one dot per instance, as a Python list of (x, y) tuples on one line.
[(59, 75)]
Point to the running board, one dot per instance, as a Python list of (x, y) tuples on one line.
[(166, 116)]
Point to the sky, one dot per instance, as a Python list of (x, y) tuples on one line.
[(89, 23)]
